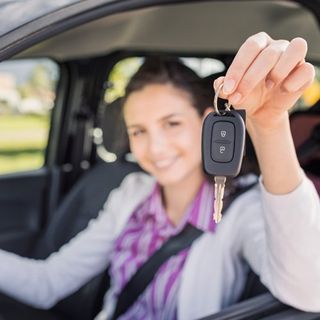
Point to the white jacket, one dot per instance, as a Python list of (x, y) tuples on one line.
[(278, 235)]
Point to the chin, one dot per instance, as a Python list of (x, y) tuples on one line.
[(169, 178)]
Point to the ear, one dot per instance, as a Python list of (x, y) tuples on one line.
[(207, 111)]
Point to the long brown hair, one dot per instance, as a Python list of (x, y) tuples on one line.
[(171, 70)]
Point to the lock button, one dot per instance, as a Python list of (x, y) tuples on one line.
[(223, 131), (222, 144)]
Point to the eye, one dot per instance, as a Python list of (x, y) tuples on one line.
[(136, 133), (172, 124)]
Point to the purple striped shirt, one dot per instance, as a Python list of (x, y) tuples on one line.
[(147, 229)]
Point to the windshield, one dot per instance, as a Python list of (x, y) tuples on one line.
[(14, 13)]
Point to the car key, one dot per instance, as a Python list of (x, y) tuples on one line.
[(223, 142)]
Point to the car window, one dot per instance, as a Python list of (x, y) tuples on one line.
[(124, 69), (27, 94)]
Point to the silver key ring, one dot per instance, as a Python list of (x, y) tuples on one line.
[(215, 101)]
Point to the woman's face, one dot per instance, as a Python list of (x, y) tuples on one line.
[(164, 132)]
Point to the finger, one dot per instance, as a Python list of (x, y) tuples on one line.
[(243, 59), (259, 70), (295, 54), (216, 84), (300, 78)]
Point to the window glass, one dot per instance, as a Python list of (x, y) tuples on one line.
[(124, 69), (27, 94)]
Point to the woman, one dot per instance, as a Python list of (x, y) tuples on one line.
[(275, 227)]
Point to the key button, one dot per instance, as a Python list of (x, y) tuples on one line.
[(222, 151), (223, 130)]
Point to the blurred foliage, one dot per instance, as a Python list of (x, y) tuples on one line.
[(27, 90), (119, 77), (23, 139), (38, 82)]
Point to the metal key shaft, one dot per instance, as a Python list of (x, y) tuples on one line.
[(218, 197)]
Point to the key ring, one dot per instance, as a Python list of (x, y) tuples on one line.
[(215, 101)]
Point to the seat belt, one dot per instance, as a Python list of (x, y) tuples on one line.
[(145, 274)]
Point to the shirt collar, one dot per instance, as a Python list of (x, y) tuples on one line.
[(199, 213)]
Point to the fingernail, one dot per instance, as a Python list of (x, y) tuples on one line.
[(236, 97), (228, 86), (269, 84)]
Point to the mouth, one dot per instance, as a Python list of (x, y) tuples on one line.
[(165, 163)]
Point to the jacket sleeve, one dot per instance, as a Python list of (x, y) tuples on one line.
[(284, 248), (41, 283)]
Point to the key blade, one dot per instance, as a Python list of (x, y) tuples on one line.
[(218, 205), (218, 201)]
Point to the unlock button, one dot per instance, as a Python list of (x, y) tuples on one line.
[(222, 151)]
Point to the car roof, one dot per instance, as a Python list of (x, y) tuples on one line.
[(193, 27), (15, 13)]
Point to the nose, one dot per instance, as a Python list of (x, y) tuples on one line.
[(157, 144)]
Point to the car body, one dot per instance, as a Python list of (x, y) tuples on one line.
[(85, 155)]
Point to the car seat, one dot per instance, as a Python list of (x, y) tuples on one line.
[(83, 203)]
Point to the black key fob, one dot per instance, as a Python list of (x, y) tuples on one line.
[(223, 143)]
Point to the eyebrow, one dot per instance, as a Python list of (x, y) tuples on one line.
[(161, 119)]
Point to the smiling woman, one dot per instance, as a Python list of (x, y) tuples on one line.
[(143, 207), (163, 109)]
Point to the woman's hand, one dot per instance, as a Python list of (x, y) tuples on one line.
[(266, 78)]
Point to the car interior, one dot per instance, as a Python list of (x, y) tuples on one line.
[(87, 153)]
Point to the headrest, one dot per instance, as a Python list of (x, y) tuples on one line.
[(114, 134)]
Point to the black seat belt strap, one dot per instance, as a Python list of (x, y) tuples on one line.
[(143, 277)]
